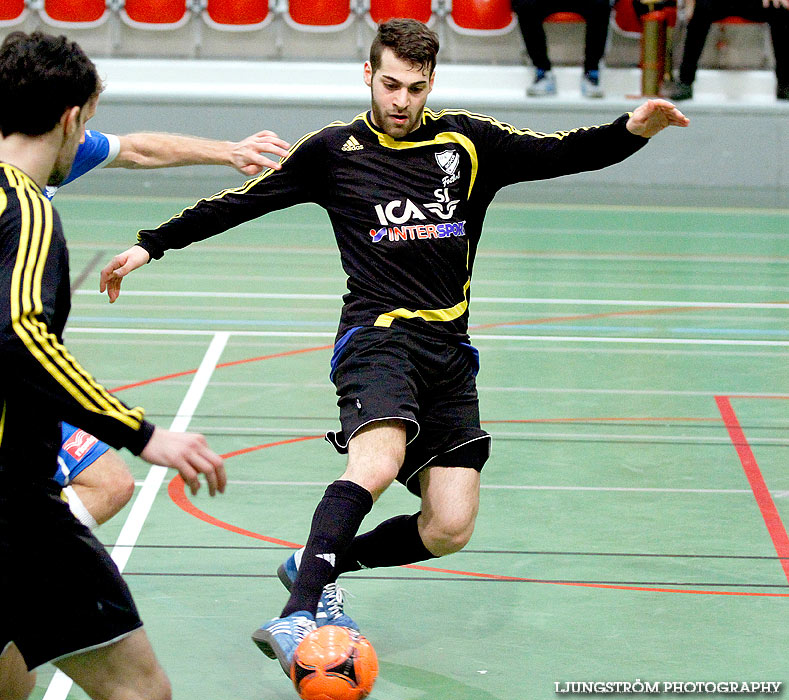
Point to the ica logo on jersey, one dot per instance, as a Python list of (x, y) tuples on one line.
[(399, 211), (393, 215)]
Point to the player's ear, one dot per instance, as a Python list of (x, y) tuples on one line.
[(368, 74), (70, 120)]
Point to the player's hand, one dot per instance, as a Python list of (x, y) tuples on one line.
[(247, 155), (776, 3), (190, 454), (121, 265), (653, 116)]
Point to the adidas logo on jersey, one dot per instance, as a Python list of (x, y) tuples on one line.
[(352, 145)]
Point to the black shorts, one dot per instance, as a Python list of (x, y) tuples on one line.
[(393, 373), (60, 592)]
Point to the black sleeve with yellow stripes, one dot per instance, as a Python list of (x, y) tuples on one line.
[(40, 376), (301, 179), (518, 155)]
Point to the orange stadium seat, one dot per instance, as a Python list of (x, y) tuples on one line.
[(237, 14), (12, 12), (155, 14), (625, 20), (735, 20), (383, 10), (74, 13), (565, 18), (319, 15), (481, 16)]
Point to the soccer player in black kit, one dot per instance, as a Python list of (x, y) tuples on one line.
[(406, 190)]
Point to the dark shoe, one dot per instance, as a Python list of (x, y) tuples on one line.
[(783, 92), (677, 90)]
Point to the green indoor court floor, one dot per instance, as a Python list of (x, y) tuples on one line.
[(635, 379)]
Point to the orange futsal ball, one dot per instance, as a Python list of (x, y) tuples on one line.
[(334, 663)]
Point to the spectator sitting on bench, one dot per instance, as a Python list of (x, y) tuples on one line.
[(531, 15)]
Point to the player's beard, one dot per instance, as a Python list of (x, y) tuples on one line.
[(391, 127)]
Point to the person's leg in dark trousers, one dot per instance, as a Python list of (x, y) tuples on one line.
[(778, 20), (531, 15), (597, 14), (705, 13)]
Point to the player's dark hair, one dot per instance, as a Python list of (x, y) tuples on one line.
[(41, 76), (409, 40)]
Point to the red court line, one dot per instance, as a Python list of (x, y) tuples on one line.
[(177, 491), (610, 419), (535, 321), (223, 364), (764, 500)]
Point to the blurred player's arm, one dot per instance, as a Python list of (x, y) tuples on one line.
[(161, 150)]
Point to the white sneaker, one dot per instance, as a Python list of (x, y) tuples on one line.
[(544, 84), (590, 84)]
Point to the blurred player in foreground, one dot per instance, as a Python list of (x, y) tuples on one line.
[(406, 189), (92, 631)]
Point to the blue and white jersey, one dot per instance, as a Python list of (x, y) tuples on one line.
[(95, 152)]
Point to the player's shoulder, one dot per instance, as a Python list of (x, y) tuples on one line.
[(328, 139), (463, 120)]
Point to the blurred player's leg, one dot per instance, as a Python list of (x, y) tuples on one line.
[(16, 682), (105, 488), (95, 480), (126, 670)]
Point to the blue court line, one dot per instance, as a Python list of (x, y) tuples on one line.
[(195, 321), (645, 330)]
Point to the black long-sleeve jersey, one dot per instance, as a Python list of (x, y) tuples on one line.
[(40, 381), (407, 213)]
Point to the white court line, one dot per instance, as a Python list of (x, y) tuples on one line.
[(536, 436), (60, 685), (515, 487), (477, 337), (486, 300)]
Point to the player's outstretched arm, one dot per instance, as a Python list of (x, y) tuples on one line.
[(653, 116), (121, 265), (147, 150), (190, 454)]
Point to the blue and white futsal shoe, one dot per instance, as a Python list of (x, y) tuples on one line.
[(278, 638), (330, 606)]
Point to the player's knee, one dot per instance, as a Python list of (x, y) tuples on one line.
[(376, 476), (447, 535)]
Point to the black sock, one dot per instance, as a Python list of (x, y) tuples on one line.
[(334, 524), (393, 543)]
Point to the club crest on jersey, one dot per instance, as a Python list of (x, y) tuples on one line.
[(449, 161), (79, 443)]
